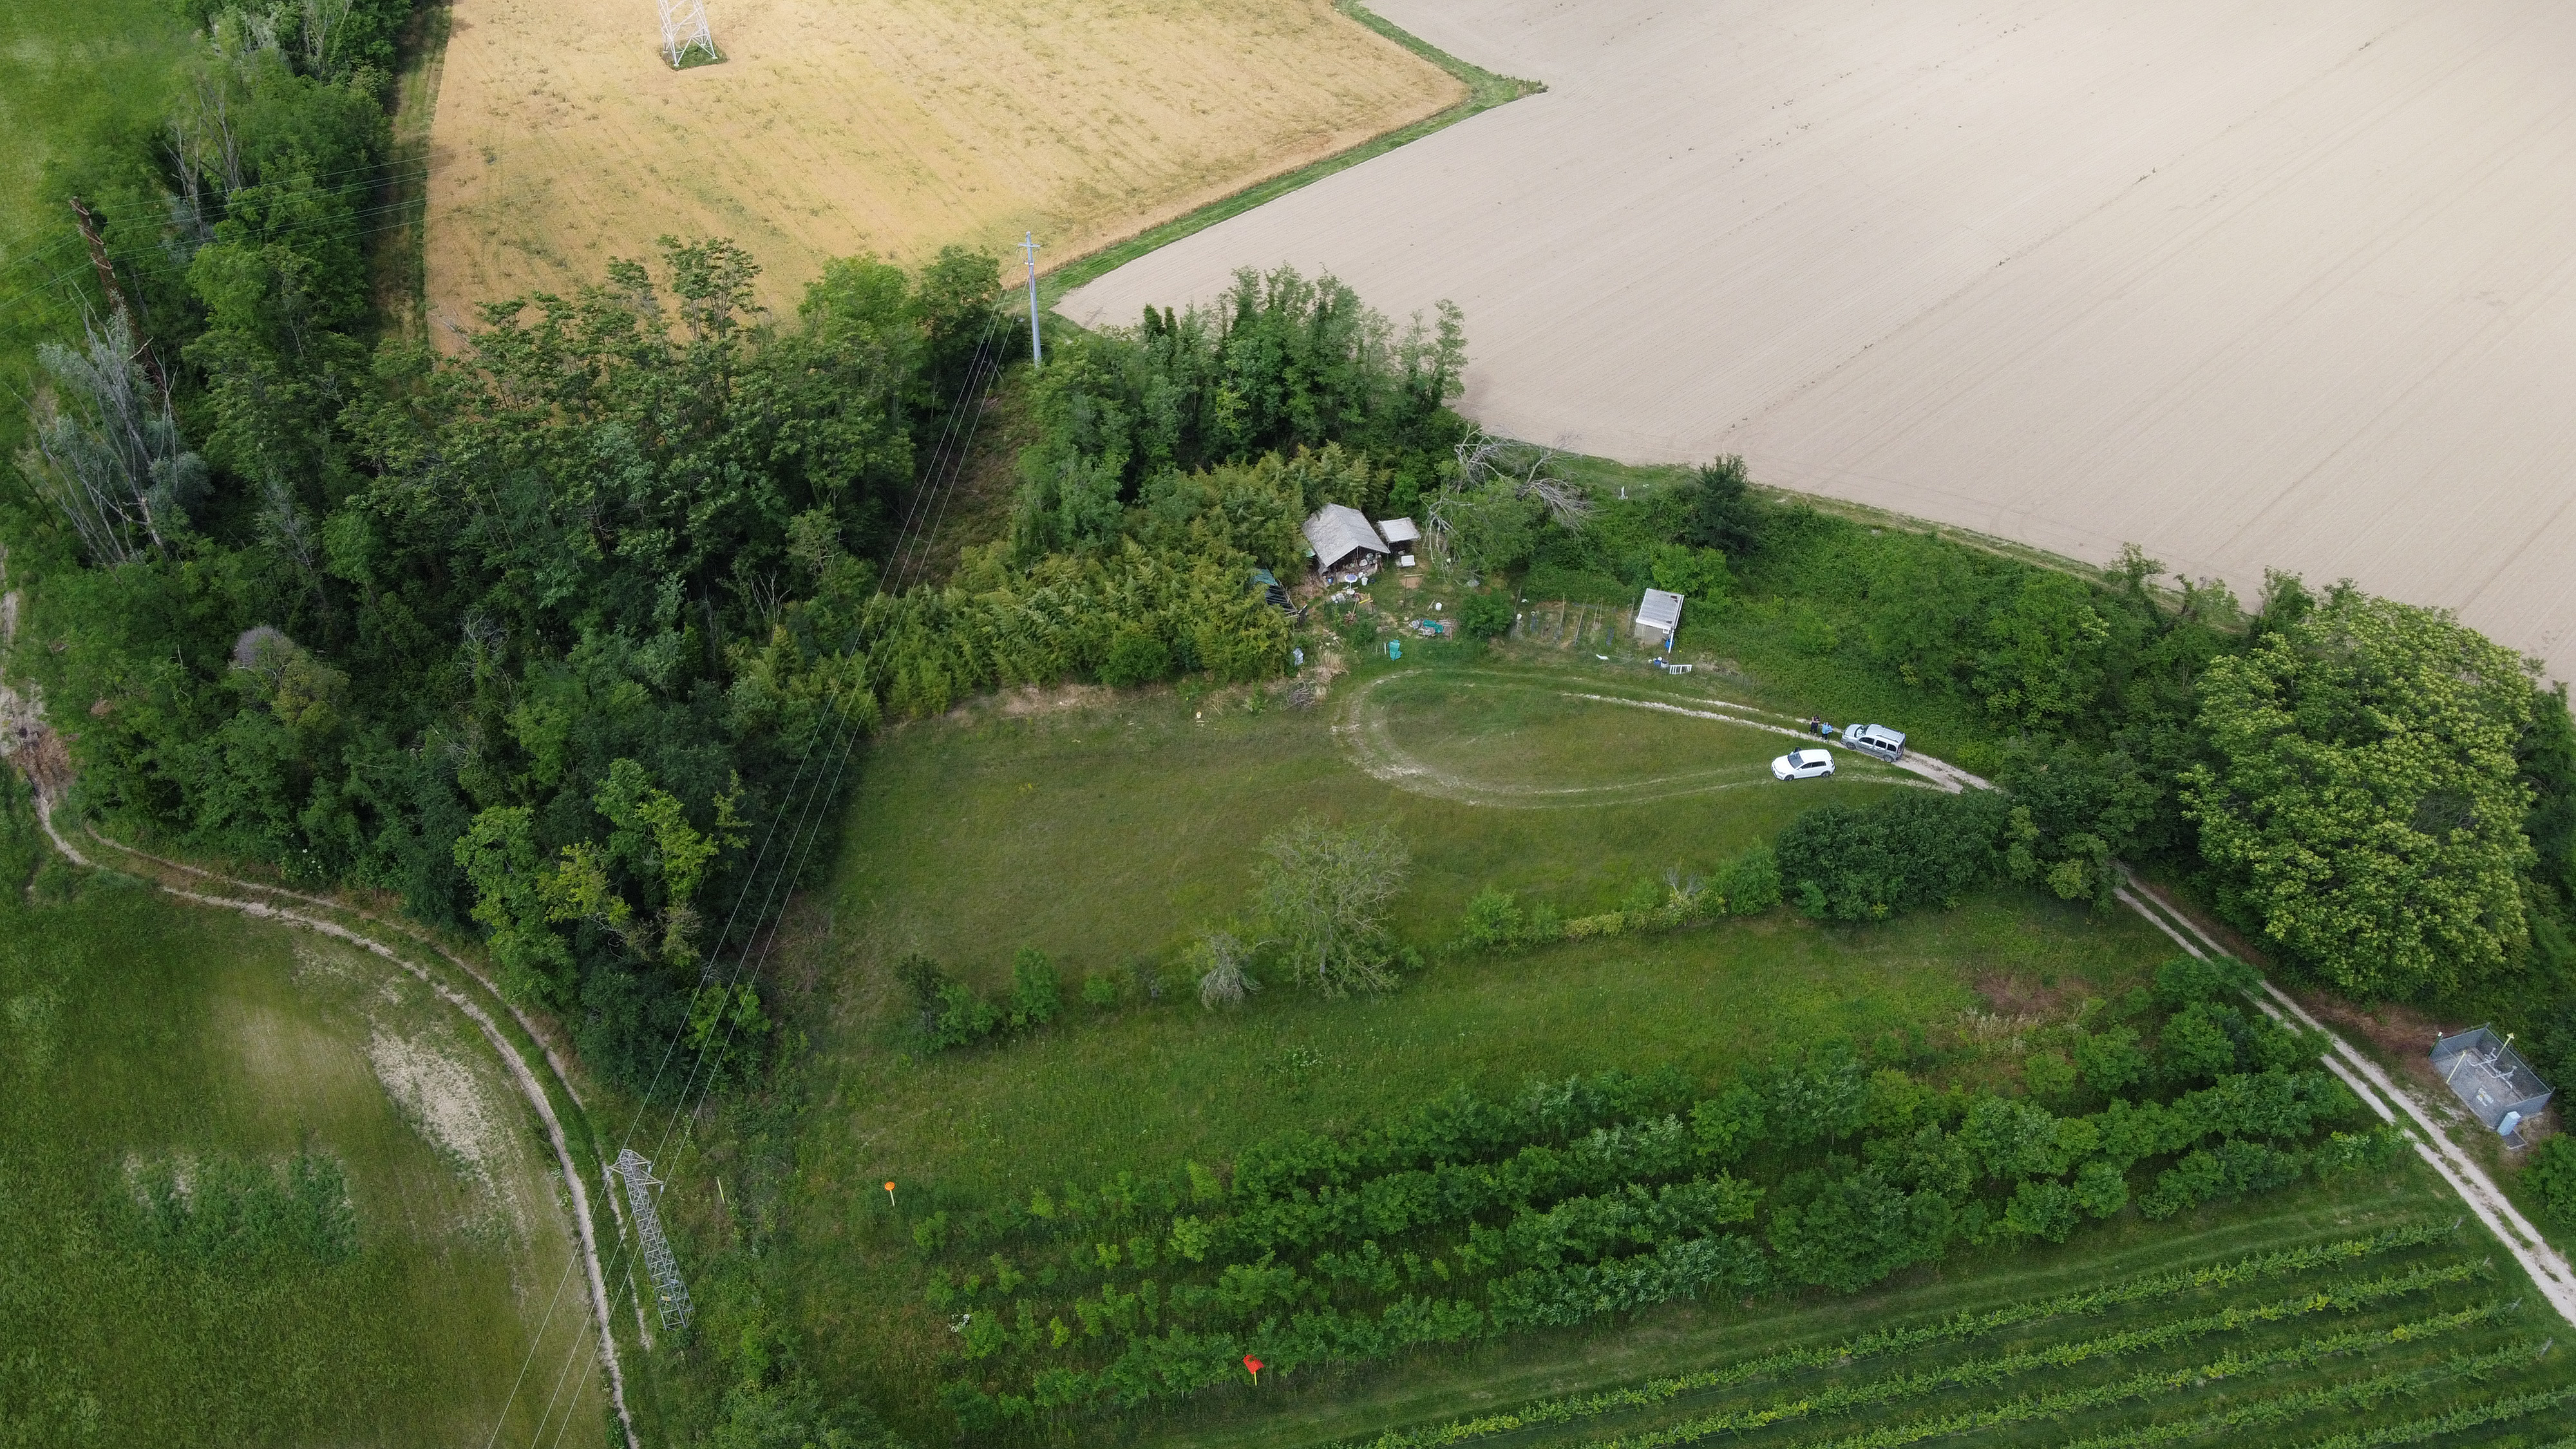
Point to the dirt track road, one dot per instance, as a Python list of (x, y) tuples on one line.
[(521, 1071), (2547, 1266)]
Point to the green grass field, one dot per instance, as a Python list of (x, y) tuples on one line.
[(1106, 829), (142, 1042)]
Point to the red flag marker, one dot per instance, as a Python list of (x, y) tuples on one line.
[(1254, 1365)]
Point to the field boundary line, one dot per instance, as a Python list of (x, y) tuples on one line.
[(585, 1240), (2547, 1267), (1485, 91)]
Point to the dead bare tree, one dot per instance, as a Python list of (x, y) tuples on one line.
[(321, 23), (1484, 460), (105, 450), (1491, 468)]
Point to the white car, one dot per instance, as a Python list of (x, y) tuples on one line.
[(1803, 765)]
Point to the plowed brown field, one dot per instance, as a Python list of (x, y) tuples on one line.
[(894, 126), (2250, 282)]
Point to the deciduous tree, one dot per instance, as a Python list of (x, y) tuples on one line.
[(2364, 800), (1324, 891)]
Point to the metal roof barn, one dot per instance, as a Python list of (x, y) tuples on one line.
[(2490, 1077), (1398, 531), (1336, 533)]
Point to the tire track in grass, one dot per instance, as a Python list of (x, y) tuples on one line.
[(1368, 738)]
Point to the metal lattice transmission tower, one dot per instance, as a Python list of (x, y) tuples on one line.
[(684, 31), (669, 1293)]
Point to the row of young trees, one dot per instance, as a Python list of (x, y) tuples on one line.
[(1468, 1219)]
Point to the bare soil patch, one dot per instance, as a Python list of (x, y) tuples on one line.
[(2249, 284), (834, 127)]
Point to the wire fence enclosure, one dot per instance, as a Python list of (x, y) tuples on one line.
[(2491, 1078)]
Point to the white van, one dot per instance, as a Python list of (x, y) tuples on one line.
[(1879, 740)]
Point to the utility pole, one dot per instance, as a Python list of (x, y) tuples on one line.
[(1037, 348)]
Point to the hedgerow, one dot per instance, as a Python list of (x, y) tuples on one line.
[(1469, 1219), (1748, 885)]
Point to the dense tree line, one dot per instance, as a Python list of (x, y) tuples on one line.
[(541, 632), (1279, 365)]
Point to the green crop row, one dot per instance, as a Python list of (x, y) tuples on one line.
[(2472, 1416), (2349, 1393), (2100, 1396), (2287, 1262), (1987, 1372)]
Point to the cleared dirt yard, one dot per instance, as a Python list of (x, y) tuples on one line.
[(2252, 284), (894, 126)]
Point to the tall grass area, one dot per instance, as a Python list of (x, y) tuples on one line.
[(222, 1228), (71, 77), (1108, 832)]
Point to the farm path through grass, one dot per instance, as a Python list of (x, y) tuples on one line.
[(156, 1042), (1107, 832)]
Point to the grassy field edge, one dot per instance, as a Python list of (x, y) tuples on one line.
[(426, 952), (1485, 90)]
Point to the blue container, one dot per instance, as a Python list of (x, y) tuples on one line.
[(1395, 649)]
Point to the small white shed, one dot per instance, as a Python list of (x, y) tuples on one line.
[(1398, 532), (1658, 617), (1341, 538)]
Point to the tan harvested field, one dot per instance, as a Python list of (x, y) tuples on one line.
[(2251, 282), (894, 126)]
